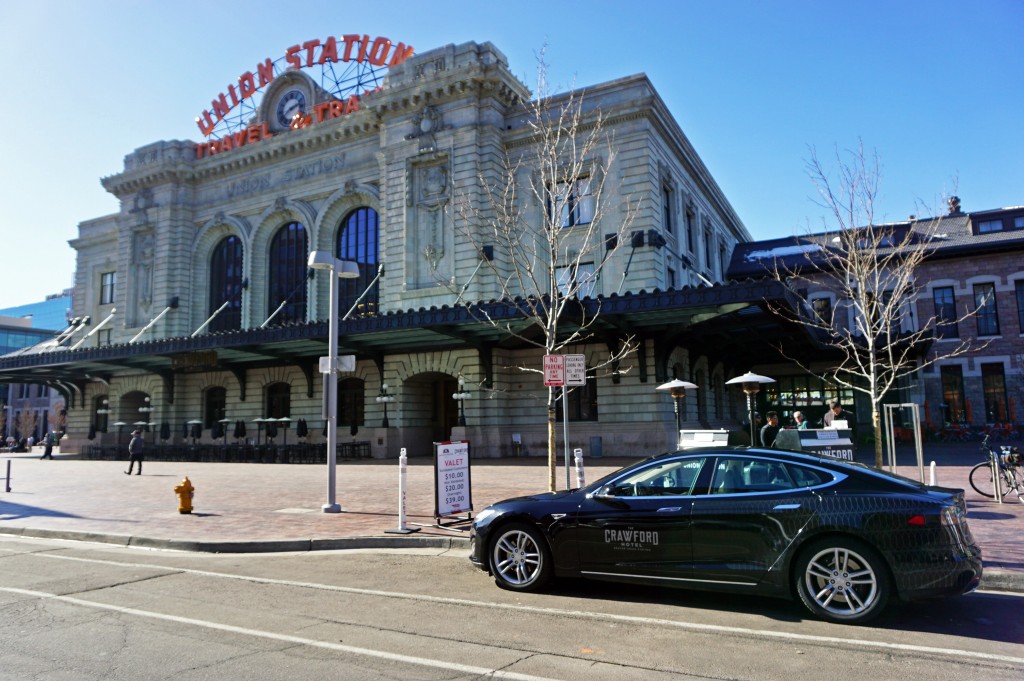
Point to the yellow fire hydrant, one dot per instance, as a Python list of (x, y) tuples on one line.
[(185, 492)]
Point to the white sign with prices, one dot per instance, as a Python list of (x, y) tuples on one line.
[(453, 490)]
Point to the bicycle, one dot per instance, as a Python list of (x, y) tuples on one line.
[(1010, 465)]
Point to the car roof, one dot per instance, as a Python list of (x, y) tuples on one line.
[(782, 454)]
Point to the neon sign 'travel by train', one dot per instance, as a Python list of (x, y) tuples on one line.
[(361, 49)]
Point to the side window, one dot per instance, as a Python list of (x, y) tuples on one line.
[(807, 477), (738, 475), (671, 478)]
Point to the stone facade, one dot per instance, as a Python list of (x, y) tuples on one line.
[(410, 153)]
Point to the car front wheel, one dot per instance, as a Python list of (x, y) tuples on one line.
[(842, 580), (520, 560)]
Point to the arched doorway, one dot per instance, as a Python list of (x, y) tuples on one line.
[(429, 412)]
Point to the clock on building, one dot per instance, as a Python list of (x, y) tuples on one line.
[(290, 103)]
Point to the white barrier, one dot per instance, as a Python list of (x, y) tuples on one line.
[(580, 477), (403, 476)]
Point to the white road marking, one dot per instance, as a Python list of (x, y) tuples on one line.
[(581, 614), (337, 647)]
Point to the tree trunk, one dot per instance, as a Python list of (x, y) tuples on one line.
[(876, 427)]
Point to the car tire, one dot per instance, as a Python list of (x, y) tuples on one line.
[(520, 559), (842, 580)]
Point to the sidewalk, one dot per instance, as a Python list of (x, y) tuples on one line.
[(270, 507)]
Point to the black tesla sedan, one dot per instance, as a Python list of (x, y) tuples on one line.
[(841, 537)]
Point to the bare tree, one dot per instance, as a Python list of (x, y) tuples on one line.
[(541, 219), (870, 270), (58, 417), (26, 421)]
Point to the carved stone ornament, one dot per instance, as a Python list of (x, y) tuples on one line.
[(427, 122)]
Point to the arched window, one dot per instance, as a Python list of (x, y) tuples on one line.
[(358, 242), (287, 274), (214, 406), (279, 400), (226, 285), (351, 393)]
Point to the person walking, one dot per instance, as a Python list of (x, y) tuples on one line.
[(135, 452), (770, 430), (47, 446)]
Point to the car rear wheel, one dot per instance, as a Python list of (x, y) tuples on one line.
[(520, 560), (842, 580)]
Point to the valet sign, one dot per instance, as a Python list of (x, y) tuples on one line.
[(453, 489)]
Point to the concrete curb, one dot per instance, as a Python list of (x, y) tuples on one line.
[(993, 579), (261, 546)]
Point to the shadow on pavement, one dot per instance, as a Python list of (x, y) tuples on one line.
[(11, 511)]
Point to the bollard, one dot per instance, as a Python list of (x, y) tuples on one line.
[(580, 477), (931, 474), (403, 476), (7, 483)]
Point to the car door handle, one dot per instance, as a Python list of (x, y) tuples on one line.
[(670, 509), (786, 507)]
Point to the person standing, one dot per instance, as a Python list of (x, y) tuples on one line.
[(770, 430), (800, 420), (47, 446), (135, 452), (837, 413)]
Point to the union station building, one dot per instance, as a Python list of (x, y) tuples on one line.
[(194, 307)]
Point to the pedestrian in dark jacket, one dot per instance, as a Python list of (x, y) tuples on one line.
[(770, 430), (47, 446), (135, 452)]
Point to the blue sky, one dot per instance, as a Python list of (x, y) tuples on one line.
[(935, 87)]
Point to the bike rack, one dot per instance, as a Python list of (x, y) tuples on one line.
[(915, 414), (997, 474)]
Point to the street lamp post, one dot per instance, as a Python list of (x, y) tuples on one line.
[(462, 396), (385, 399), (677, 389), (751, 384), (146, 410), (324, 260)]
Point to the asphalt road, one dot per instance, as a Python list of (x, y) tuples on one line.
[(71, 610)]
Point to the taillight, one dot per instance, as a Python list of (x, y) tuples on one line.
[(916, 520)]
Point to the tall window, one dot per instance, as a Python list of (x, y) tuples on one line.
[(691, 229), (582, 277), (993, 383), (107, 281), (582, 402), (359, 242), (351, 395), (226, 285), (1020, 306), (101, 407), (709, 264), (945, 312), (572, 203), (279, 400), (214, 406), (287, 274), (822, 310), (953, 393), (666, 208), (988, 318)]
